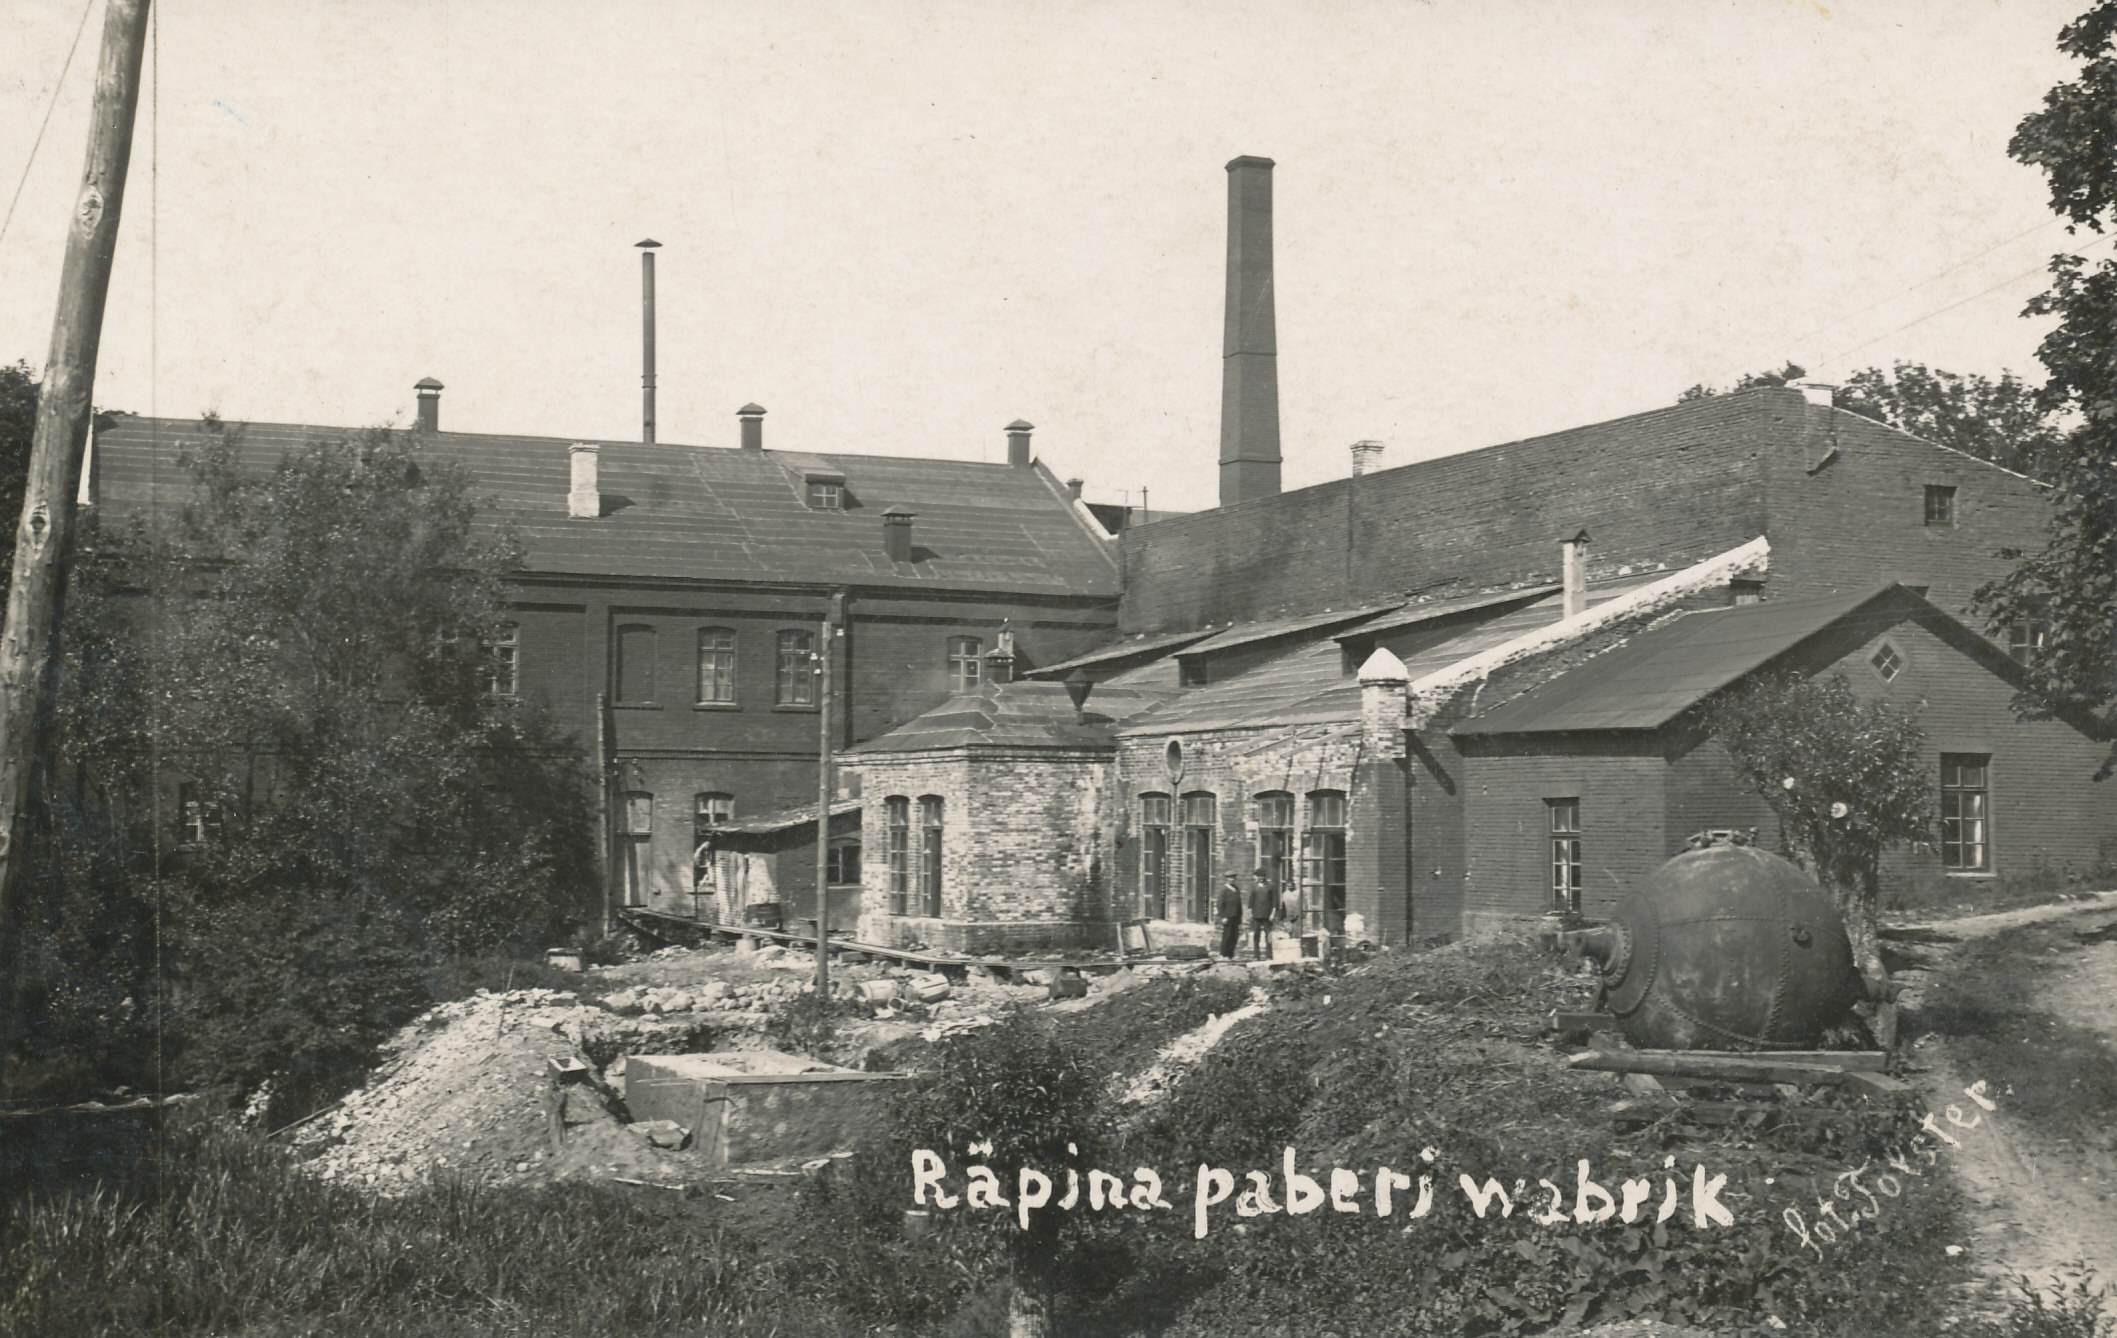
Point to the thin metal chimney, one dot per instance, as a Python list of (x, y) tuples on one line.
[(1573, 576), (647, 249), (429, 403), (752, 416), (1249, 358), (1018, 441)]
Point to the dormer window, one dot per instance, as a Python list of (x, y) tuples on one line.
[(826, 496), (1940, 504)]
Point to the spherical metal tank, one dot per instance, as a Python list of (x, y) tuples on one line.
[(1726, 947)]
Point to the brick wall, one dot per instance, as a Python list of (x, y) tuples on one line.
[(1623, 822), (1859, 520), (1661, 488), (2050, 821), (1022, 849)]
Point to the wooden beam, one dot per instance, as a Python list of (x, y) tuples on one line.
[(1695, 1064)]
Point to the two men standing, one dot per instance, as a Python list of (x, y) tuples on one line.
[(1262, 907)]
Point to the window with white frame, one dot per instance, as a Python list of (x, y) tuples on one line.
[(897, 822), (966, 667), (1966, 801), (795, 683), (1563, 816)]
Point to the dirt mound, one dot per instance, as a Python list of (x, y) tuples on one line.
[(463, 1089)]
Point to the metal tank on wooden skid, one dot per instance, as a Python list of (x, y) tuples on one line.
[(1724, 947)]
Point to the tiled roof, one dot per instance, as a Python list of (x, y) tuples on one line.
[(1015, 715), (1659, 674), (701, 513)]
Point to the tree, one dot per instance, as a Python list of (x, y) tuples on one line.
[(298, 754), (2068, 589), (1019, 1088), (2003, 421), (18, 423), (1846, 780), (1792, 371)]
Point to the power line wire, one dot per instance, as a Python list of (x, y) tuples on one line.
[(57, 84), (1986, 292)]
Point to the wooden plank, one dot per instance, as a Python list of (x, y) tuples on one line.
[(1879, 1087), (1871, 1061), (1580, 1024), (1691, 1064), (1644, 1084)]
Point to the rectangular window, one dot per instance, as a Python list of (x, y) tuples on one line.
[(635, 835), (1966, 812), (1565, 854), (503, 653), (1323, 861), (965, 667), (635, 665), (1154, 856), (1940, 504), (826, 496), (897, 809), (1741, 592), (1190, 673), (842, 863), (716, 666), (930, 853), (2024, 640), (198, 819), (1275, 840), (796, 681), (1200, 816)]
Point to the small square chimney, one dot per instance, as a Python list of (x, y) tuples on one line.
[(1367, 457), (584, 499), (896, 532), (429, 403), (1018, 441), (752, 416), (1573, 575)]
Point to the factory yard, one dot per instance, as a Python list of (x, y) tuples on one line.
[(2025, 1001)]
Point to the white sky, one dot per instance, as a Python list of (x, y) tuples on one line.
[(899, 226)]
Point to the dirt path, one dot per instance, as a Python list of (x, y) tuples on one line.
[(2043, 1193)]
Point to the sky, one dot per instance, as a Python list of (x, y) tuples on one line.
[(899, 226)]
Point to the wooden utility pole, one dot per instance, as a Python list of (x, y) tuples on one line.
[(824, 788), (42, 539)]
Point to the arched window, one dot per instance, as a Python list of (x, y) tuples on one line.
[(1154, 856), (897, 821), (796, 680), (1275, 839), (1200, 817), (965, 667), (1323, 861), (716, 666), (930, 854), (635, 837), (635, 665)]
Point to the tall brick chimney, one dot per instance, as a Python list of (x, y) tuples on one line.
[(429, 403), (1573, 576), (1249, 356)]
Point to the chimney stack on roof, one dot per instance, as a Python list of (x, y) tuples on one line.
[(1817, 392), (752, 416), (1073, 488), (1573, 577), (999, 661), (647, 249), (896, 532), (1249, 358), (584, 498), (1018, 441), (1367, 457), (429, 403)]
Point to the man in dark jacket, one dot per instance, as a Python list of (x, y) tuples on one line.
[(1230, 910), (1263, 906)]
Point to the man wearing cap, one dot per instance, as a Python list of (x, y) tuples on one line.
[(1263, 906), (1230, 910)]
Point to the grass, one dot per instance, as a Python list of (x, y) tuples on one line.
[(1440, 1049), (228, 1237)]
